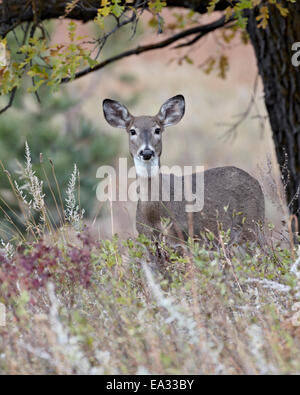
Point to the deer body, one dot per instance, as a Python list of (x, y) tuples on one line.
[(233, 199)]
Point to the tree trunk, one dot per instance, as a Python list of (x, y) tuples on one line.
[(273, 48)]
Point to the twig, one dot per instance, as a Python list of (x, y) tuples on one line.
[(102, 40), (229, 262), (11, 100), (204, 29), (243, 116), (219, 23)]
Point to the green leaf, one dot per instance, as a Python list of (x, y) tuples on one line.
[(212, 5), (117, 9), (157, 5)]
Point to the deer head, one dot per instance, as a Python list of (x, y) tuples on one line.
[(145, 132)]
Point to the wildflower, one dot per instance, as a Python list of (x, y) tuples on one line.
[(73, 213), (7, 249), (33, 185)]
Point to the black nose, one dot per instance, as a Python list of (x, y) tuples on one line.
[(147, 154)]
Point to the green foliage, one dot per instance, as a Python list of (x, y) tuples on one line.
[(212, 5), (48, 129), (238, 10), (49, 65), (55, 128), (70, 6), (102, 310), (157, 6), (46, 64)]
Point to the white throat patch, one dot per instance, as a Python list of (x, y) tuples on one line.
[(149, 168)]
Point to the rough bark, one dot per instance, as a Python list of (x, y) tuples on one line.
[(273, 48)]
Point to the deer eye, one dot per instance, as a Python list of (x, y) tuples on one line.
[(132, 132), (157, 131)]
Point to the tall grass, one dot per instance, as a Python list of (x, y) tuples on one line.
[(81, 305), (33, 212)]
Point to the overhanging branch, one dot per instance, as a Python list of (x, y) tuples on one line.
[(200, 31), (15, 12)]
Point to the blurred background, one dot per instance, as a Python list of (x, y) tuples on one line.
[(68, 126)]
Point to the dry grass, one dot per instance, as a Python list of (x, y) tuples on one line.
[(111, 307), (79, 304), (96, 306)]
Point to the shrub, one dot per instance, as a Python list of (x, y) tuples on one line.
[(110, 307)]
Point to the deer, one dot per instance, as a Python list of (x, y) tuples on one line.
[(232, 199)]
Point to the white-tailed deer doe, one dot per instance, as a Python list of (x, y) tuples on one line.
[(232, 198)]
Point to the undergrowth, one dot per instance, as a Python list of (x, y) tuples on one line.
[(79, 305)]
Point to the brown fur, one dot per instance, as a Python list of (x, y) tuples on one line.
[(232, 198)]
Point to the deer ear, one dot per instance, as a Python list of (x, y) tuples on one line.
[(172, 111), (116, 114)]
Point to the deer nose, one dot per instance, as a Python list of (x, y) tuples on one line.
[(146, 154)]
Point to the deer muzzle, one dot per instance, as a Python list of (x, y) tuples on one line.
[(146, 154)]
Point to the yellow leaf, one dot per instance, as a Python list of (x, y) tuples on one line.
[(263, 17), (283, 11)]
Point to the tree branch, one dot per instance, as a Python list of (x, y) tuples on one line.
[(19, 11), (231, 132), (11, 100), (199, 30)]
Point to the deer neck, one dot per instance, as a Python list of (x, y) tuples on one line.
[(147, 169), (149, 179)]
